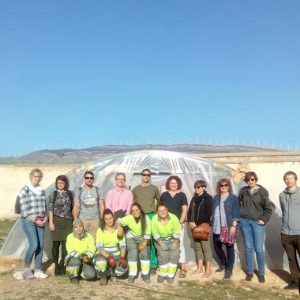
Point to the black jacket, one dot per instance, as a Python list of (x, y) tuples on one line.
[(200, 209)]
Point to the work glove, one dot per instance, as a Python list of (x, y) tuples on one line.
[(123, 262), (111, 261)]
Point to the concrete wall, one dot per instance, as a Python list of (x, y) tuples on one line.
[(13, 178), (270, 175)]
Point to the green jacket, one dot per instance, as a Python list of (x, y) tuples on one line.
[(256, 206)]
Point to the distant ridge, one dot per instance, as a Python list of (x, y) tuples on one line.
[(78, 156)]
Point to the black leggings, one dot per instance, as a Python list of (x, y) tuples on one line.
[(55, 251), (226, 260)]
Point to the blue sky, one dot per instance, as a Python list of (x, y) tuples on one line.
[(86, 73)]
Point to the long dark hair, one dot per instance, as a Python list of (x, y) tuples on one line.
[(106, 212), (142, 217)]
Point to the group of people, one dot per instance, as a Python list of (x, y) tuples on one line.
[(142, 231)]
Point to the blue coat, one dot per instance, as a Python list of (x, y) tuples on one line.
[(231, 206)]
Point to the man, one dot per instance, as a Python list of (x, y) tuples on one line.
[(119, 199), (89, 205), (290, 229), (147, 196)]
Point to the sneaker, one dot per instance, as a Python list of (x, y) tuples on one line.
[(170, 280), (18, 275), (146, 278), (249, 277), (131, 280), (74, 280), (113, 279), (227, 275), (40, 274), (27, 274), (103, 281), (293, 285), (261, 279), (160, 279), (220, 269)]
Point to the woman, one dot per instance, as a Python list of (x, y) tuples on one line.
[(111, 247), (226, 213), (81, 249), (166, 231), (138, 242), (177, 203), (255, 212), (60, 220), (32, 199), (199, 212)]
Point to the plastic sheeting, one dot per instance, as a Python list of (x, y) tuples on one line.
[(161, 163)]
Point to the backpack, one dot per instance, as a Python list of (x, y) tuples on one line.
[(18, 204), (79, 197)]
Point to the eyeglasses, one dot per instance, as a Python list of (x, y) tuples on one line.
[(250, 179), (148, 175), (199, 186), (89, 178), (222, 185)]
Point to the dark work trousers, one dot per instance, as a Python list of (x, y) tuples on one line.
[(291, 244)]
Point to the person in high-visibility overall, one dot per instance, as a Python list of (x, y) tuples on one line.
[(138, 242), (81, 249), (111, 250), (166, 231)]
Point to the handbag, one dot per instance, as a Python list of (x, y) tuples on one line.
[(226, 238), (200, 232)]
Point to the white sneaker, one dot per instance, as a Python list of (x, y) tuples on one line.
[(18, 275), (40, 275)]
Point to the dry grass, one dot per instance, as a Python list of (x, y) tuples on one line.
[(59, 288)]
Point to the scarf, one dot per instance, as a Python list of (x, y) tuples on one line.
[(38, 190)]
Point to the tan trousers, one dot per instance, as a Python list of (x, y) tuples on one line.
[(91, 226)]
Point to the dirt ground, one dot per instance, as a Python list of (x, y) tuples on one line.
[(192, 287)]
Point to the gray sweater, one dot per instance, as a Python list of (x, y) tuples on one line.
[(290, 206)]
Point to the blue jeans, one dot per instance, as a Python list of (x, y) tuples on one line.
[(35, 237), (254, 238)]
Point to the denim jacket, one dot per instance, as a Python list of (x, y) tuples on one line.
[(231, 206)]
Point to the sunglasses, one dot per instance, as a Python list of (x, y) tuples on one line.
[(89, 178), (199, 186), (250, 179), (222, 185), (148, 175)]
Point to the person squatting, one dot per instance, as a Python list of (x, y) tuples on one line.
[(141, 232)]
